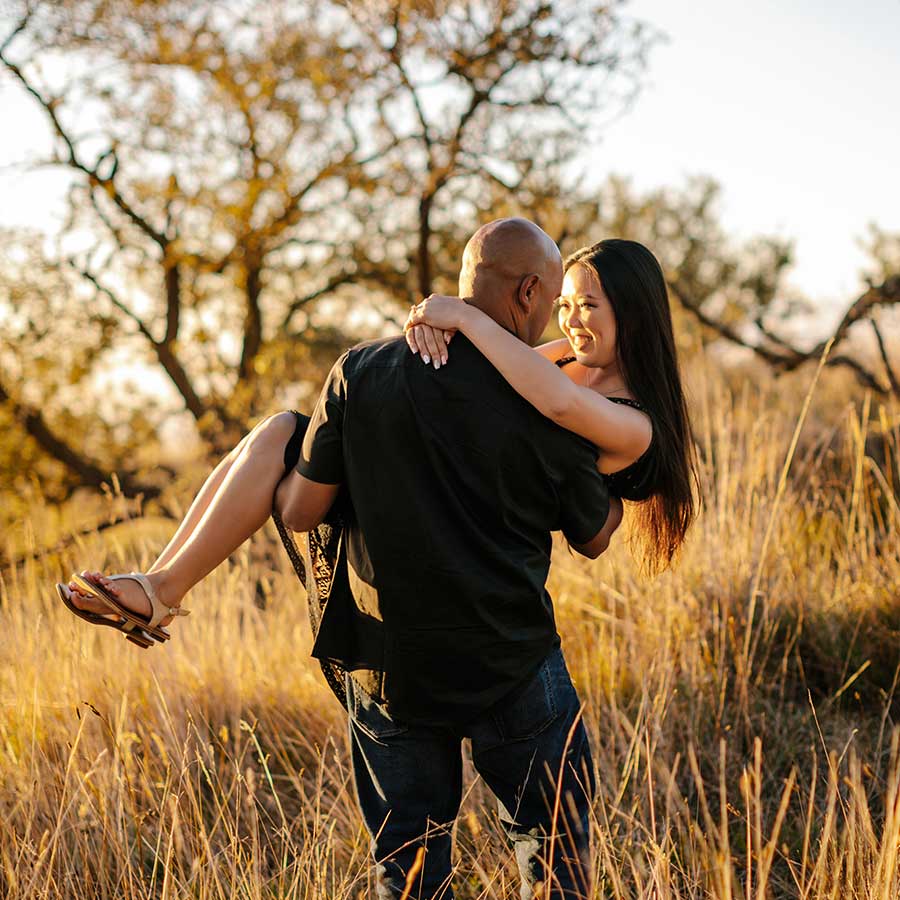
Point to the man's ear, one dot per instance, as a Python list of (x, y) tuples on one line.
[(526, 294)]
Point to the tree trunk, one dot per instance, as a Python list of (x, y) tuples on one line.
[(252, 321), (425, 275)]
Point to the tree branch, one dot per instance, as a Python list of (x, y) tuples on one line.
[(882, 349), (86, 470), (106, 182), (396, 55), (116, 302), (790, 357), (163, 349), (721, 328), (13, 34), (886, 293), (332, 284)]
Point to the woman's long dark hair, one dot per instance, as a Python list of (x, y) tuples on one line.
[(634, 283)]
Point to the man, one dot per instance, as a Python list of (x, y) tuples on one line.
[(455, 484)]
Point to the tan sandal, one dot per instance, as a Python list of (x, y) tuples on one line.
[(137, 629), (135, 637)]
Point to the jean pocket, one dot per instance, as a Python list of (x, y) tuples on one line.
[(533, 708), (369, 715)]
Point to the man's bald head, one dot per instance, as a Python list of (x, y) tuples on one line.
[(512, 270)]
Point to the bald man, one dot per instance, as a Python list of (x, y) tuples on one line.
[(439, 610)]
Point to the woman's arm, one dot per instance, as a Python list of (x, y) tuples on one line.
[(554, 350), (616, 429)]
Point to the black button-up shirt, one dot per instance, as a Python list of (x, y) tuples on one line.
[(455, 484)]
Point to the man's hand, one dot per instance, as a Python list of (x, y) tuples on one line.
[(600, 542), (303, 504)]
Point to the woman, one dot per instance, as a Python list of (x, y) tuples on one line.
[(614, 380)]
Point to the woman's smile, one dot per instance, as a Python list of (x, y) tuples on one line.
[(586, 318), (580, 342)]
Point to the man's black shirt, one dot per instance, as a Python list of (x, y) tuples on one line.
[(455, 483)]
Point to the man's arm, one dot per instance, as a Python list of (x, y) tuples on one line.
[(600, 542), (303, 497), (303, 504), (588, 515)]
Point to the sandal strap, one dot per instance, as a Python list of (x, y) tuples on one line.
[(159, 610)]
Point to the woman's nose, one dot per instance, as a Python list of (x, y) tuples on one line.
[(572, 318)]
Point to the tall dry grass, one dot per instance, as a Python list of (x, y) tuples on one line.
[(741, 706)]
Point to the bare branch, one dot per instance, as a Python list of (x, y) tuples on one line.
[(116, 302), (882, 349), (105, 182), (89, 473), (13, 34), (789, 357), (331, 285), (886, 293), (396, 56), (164, 349), (721, 328)]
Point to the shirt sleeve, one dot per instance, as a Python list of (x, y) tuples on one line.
[(322, 455), (584, 498)]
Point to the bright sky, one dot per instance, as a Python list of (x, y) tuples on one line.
[(792, 106)]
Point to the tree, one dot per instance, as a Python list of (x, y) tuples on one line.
[(249, 179)]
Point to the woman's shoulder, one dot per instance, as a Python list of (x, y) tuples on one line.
[(555, 350)]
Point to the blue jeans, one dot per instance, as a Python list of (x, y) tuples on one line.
[(409, 786)]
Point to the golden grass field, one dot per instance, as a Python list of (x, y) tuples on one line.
[(741, 706)]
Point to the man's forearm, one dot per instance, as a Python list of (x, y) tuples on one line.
[(600, 542), (302, 504)]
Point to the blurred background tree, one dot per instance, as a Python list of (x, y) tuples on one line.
[(253, 187)]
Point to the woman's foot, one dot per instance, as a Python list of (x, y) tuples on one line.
[(128, 592)]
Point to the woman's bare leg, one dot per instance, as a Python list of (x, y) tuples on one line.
[(199, 505), (237, 507)]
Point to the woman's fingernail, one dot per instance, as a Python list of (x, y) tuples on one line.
[(426, 358), (437, 363)]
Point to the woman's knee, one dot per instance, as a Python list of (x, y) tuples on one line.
[(270, 436)]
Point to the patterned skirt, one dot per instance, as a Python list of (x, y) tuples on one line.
[(314, 558)]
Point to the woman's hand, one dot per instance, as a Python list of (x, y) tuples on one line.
[(430, 343), (438, 311), (431, 325)]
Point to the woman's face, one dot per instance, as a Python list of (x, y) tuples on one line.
[(586, 318)]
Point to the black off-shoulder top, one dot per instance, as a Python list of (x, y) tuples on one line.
[(636, 481)]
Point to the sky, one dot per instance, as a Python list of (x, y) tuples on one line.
[(791, 106)]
